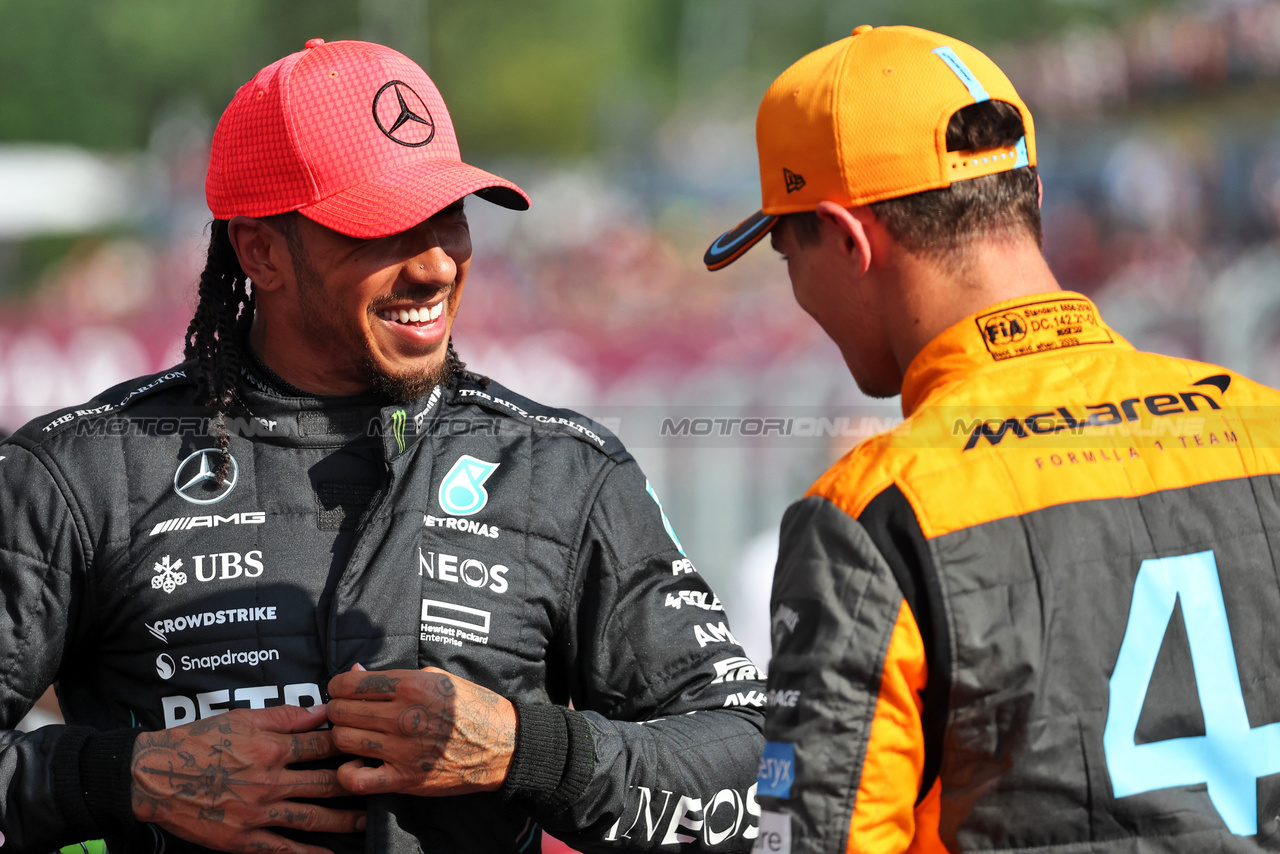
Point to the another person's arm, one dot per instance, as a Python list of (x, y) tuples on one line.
[(845, 760)]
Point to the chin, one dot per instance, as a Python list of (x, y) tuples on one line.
[(406, 384), (877, 386), (880, 391)]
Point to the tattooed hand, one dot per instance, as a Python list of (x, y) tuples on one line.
[(434, 733), (221, 780)]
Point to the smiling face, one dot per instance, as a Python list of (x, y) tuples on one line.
[(350, 314)]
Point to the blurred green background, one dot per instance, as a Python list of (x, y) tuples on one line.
[(557, 78)]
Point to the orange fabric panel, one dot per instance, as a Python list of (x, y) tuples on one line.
[(993, 431), (884, 817), (928, 819)]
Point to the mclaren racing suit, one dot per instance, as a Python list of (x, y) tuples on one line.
[(1040, 615), (513, 545)]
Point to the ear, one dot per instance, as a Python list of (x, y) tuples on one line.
[(262, 250), (851, 227), (1040, 188)]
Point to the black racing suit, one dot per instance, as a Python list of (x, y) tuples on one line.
[(513, 545)]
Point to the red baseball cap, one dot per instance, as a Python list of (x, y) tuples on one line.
[(350, 134)]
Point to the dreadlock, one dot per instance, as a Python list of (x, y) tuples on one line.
[(221, 322), (221, 325), (455, 370)]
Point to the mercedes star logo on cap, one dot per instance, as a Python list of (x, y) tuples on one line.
[(404, 118), (195, 479)]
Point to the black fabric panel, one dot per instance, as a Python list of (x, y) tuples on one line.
[(537, 763), (333, 422), (340, 506), (835, 603), (891, 523), (106, 778), (553, 758), (67, 789), (584, 555), (1039, 606)]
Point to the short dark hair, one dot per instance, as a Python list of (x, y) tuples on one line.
[(937, 222)]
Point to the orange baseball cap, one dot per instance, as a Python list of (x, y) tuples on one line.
[(864, 120), (350, 134)]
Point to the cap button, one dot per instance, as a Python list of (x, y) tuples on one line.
[(865, 28), (313, 43)]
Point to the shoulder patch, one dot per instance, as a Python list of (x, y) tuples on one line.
[(113, 399), (496, 398), (1051, 324)]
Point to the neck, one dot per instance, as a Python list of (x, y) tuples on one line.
[(931, 296), (290, 359)]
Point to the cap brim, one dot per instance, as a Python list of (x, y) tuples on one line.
[(737, 240), (399, 200)]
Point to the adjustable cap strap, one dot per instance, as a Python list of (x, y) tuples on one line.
[(967, 77)]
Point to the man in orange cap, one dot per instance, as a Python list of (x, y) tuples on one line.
[(322, 504), (1036, 617)]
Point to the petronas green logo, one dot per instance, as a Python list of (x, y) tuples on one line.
[(462, 491), (398, 419)]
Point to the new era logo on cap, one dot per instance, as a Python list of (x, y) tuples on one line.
[(794, 182)]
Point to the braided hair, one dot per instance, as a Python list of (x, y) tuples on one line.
[(220, 327), (221, 322), (455, 370)]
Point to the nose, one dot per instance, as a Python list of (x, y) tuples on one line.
[(431, 266)]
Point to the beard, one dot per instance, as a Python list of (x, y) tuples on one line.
[(325, 321), (410, 386)]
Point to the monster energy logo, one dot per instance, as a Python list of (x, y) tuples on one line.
[(398, 419)]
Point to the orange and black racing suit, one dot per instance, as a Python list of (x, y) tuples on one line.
[(1041, 614)]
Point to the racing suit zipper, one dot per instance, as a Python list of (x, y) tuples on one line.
[(354, 560)]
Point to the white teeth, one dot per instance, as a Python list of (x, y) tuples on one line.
[(414, 315)]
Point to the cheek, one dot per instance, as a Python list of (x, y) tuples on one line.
[(459, 282), (801, 285)]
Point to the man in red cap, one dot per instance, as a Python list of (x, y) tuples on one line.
[(323, 506), (1035, 617)]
